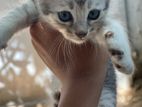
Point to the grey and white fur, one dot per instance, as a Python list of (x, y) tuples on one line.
[(100, 29), (109, 94)]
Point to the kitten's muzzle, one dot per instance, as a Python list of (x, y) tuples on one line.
[(81, 34)]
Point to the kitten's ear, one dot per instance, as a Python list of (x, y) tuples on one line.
[(107, 2), (44, 6), (102, 4)]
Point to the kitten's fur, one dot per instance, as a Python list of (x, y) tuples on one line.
[(46, 10)]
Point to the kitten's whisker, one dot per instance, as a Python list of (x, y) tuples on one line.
[(52, 49), (70, 53), (60, 43), (66, 57), (69, 56)]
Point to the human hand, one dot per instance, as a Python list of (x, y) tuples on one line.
[(80, 68)]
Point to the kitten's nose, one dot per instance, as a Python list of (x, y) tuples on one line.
[(81, 34)]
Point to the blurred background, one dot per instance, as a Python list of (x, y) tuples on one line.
[(24, 79)]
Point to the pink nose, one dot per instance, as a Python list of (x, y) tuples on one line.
[(81, 34)]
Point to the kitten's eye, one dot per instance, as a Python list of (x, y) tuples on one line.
[(65, 16), (94, 14)]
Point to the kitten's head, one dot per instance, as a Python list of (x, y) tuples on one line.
[(77, 20)]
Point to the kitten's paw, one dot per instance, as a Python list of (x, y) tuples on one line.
[(57, 98), (3, 46), (4, 37), (120, 53)]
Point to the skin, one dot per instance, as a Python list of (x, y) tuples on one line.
[(81, 78)]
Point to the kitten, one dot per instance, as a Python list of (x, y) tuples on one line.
[(78, 21)]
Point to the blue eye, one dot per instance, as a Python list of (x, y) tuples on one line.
[(65, 16), (94, 14)]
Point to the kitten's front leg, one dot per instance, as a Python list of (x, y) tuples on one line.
[(108, 95), (108, 98), (119, 46), (15, 20)]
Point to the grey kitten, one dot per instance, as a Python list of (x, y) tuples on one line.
[(78, 21)]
